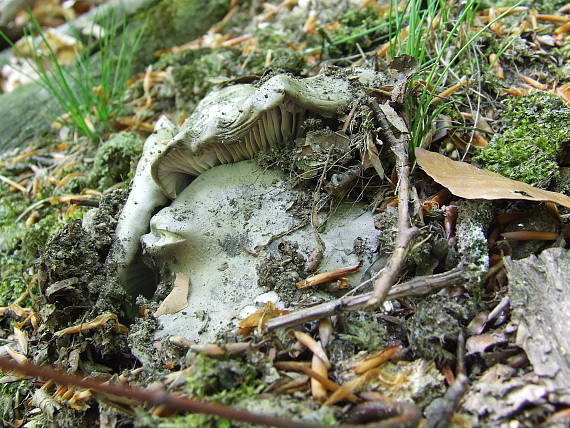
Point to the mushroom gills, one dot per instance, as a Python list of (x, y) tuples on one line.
[(273, 129)]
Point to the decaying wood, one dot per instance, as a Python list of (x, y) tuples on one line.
[(540, 302)]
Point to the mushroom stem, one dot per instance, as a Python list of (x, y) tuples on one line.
[(143, 200)]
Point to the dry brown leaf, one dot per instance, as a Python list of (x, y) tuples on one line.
[(18, 357), (22, 339), (318, 391), (314, 346), (260, 318), (178, 297), (394, 118), (469, 182), (328, 276)]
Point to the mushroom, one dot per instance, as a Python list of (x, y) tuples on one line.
[(236, 122), (145, 197), (229, 125)]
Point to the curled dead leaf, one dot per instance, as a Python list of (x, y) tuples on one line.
[(178, 297), (469, 182), (376, 359), (314, 346), (259, 318)]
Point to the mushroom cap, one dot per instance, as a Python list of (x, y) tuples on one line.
[(226, 115)]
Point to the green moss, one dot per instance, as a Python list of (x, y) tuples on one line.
[(561, 68), (11, 396), (536, 128), (222, 381), (286, 60), (435, 326), (546, 6), (20, 245), (237, 383), (192, 72), (114, 159), (364, 330)]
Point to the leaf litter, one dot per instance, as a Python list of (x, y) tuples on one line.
[(503, 388)]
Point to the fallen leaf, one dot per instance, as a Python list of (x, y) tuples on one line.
[(314, 346), (376, 359), (394, 118), (19, 358), (466, 181), (259, 318), (178, 297), (22, 339), (485, 341)]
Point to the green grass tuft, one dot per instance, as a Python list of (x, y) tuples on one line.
[(431, 48), (90, 89)]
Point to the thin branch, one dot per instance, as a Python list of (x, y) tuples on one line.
[(389, 274), (382, 415), (416, 287), (154, 397), (444, 407)]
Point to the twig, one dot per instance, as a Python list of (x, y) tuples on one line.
[(460, 365), (415, 287), (394, 411), (443, 408), (318, 252), (395, 414), (153, 397), (389, 274)]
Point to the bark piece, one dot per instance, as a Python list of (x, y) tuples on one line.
[(540, 302)]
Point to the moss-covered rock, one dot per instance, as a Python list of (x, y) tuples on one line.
[(434, 328), (536, 128)]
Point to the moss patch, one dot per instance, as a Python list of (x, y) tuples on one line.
[(536, 128), (20, 244), (226, 382), (352, 24), (113, 160)]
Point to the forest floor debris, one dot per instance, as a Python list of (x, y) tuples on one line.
[(471, 331)]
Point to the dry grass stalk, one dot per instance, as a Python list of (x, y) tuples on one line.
[(98, 322), (314, 346), (377, 359)]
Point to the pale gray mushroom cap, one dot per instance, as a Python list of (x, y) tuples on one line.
[(235, 122)]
